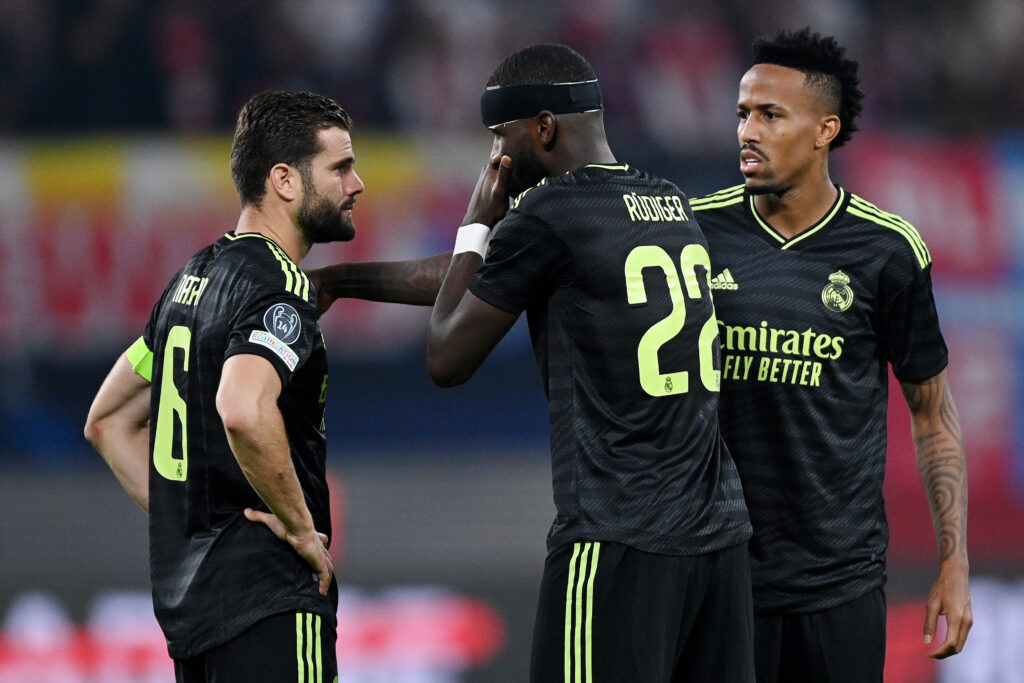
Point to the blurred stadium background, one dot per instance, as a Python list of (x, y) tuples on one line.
[(115, 120)]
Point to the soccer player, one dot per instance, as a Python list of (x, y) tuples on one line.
[(816, 291), (647, 575), (213, 419)]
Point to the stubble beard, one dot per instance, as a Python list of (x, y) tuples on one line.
[(527, 171), (767, 185)]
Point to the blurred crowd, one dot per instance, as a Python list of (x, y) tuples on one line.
[(669, 68)]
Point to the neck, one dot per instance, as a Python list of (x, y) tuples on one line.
[(583, 142), (800, 207), (573, 159), (276, 226)]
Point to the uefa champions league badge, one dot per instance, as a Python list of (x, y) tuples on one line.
[(837, 295), (282, 321)]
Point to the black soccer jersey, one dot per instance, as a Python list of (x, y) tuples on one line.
[(808, 325), (215, 573), (613, 274)]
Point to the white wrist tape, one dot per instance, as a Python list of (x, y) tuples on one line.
[(472, 237)]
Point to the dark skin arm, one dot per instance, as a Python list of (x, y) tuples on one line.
[(463, 329), (414, 282), (940, 459)]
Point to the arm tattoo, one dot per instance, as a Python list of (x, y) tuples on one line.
[(413, 282), (938, 445)]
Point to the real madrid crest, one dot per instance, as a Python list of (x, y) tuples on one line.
[(837, 295)]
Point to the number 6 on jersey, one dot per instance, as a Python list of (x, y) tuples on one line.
[(652, 380), (172, 407)]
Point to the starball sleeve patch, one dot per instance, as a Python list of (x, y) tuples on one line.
[(283, 321)]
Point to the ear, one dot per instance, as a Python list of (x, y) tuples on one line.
[(285, 181), (828, 129), (546, 129)]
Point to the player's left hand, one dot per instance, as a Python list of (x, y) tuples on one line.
[(950, 596), (489, 202), (323, 298), (312, 547)]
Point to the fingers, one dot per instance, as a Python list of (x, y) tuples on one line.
[(946, 648), (257, 516), (957, 628), (504, 173), (931, 618), (313, 551), (325, 572)]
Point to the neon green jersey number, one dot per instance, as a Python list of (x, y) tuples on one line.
[(172, 409), (652, 379)]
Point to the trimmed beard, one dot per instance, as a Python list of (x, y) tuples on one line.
[(321, 221)]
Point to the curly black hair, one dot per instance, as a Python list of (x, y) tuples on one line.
[(828, 70)]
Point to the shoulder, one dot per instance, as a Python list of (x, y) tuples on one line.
[(723, 209), (893, 230), (722, 199), (263, 266)]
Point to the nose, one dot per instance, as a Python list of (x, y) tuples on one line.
[(747, 130), (354, 185)]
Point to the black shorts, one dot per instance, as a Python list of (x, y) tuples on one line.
[(844, 644), (610, 613), (292, 646)]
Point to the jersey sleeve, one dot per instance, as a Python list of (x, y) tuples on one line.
[(140, 353), (523, 262), (276, 325), (911, 336)]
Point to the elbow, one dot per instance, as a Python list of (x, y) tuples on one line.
[(94, 430), (443, 372), (237, 418)]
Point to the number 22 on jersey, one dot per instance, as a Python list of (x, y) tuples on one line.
[(652, 379), (172, 409)]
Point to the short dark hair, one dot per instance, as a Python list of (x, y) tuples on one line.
[(277, 127), (828, 70), (542, 64)]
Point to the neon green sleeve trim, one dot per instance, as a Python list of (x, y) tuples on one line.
[(141, 359)]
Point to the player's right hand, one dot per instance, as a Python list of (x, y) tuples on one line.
[(489, 202), (311, 546)]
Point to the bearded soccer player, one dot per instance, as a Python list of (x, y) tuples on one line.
[(213, 420), (817, 291), (647, 573)]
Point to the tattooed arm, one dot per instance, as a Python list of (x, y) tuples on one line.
[(941, 462), (401, 282)]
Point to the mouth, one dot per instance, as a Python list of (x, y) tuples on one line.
[(750, 161)]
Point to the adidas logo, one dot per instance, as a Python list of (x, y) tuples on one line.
[(724, 280)]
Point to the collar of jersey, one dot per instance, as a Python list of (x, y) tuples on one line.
[(609, 167), (280, 249), (787, 243)]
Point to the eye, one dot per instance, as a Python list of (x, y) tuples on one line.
[(770, 115), (742, 115)]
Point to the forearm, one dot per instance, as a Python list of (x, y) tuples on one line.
[(414, 282), (442, 321), (117, 426), (941, 461), (260, 445), (127, 455)]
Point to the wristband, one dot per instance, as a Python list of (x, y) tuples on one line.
[(472, 237)]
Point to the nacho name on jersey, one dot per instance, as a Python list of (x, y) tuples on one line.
[(760, 353), (190, 288)]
